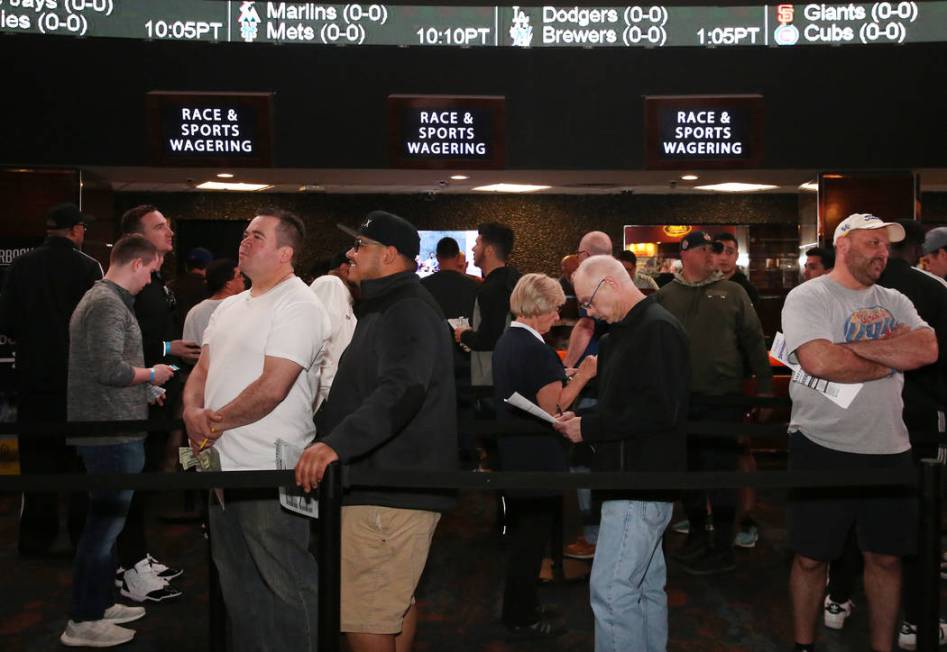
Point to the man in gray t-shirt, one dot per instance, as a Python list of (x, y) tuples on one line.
[(843, 328)]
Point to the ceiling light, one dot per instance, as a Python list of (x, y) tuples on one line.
[(689, 177), (245, 187), (811, 186), (736, 187), (225, 175), (511, 187), (459, 177)]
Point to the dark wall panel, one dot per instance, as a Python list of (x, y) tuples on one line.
[(82, 101)]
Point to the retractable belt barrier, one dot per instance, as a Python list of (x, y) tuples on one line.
[(928, 482)]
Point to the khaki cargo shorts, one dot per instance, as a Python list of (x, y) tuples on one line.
[(384, 551)]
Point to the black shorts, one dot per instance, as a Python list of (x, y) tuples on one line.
[(884, 518)]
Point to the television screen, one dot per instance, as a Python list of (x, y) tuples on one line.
[(427, 259)]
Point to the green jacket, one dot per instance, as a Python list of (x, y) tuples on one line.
[(724, 332)]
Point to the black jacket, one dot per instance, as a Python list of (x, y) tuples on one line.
[(454, 292), (155, 308), (740, 279), (640, 421), (925, 389), (392, 404), (494, 301), (41, 290)]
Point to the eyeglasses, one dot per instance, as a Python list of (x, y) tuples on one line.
[(359, 243), (586, 305)]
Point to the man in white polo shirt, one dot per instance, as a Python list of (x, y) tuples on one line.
[(255, 383)]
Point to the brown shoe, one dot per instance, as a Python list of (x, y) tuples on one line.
[(579, 549)]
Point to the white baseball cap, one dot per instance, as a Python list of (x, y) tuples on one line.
[(867, 221)]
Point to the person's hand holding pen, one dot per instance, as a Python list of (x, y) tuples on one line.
[(569, 425), (201, 425)]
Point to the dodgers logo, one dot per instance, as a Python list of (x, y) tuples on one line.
[(869, 324)]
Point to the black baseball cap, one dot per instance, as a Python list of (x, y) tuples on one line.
[(390, 230), (64, 216), (698, 238)]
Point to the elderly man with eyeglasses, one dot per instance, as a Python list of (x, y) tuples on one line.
[(638, 424)]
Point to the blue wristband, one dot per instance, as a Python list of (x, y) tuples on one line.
[(151, 375), (165, 349)]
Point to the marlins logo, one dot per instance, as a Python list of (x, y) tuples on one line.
[(869, 324)]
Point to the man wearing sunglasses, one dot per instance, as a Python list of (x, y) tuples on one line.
[(392, 406)]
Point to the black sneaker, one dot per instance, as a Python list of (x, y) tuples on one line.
[(694, 546), (713, 562), (541, 629)]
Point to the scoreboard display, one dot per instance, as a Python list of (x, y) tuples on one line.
[(652, 26)]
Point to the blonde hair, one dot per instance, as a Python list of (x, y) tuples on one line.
[(536, 294)]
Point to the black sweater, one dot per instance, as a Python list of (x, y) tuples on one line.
[(493, 298), (925, 389), (392, 404), (640, 421)]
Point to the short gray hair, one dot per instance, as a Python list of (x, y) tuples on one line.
[(536, 294)]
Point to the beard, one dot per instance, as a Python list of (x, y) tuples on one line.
[(865, 269)]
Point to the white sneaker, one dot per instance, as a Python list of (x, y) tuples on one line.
[(163, 571), (141, 583), (120, 613), (95, 633), (835, 613), (907, 635)]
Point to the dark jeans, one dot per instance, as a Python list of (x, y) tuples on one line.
[(533, 520), (713, 454), (39, 519), (844, 570), (94, 567), (268, 577)]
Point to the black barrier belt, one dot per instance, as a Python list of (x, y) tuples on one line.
[(482, 428), (905, 477), (88, 428), (730, 400)]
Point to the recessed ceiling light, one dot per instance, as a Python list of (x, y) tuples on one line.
[(245, 187), (225, 175), (689, 177), (811, 186), (459, 177), (511, 187), (736, 187)]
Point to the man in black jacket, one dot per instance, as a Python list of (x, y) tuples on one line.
[(924, 393), (41, 289), (391, 407), (638, 425), (727, 264), (491, 313)]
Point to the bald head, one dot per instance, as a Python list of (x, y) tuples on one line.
[(595, 243), (594, 269)]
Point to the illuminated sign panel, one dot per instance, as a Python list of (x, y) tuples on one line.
[(652, 26), (689, 131), (210, 129), (442, 131)]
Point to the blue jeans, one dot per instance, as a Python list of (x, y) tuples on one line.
[(93, 575), (628, 577), (268, 577)]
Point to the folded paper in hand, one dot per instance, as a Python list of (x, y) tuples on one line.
[(517, 400), (842, 394), (294, 498)]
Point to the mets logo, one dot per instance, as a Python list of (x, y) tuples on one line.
[(869, 324)]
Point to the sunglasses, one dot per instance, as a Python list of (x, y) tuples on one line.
[(586, 305), (359, 243)]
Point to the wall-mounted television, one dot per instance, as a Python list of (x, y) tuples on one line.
[(427, 259)]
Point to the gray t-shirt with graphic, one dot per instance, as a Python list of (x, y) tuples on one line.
[(821, 309)]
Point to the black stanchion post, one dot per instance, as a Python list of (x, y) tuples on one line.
[(929, 491), (216, 610), (330, 553)]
